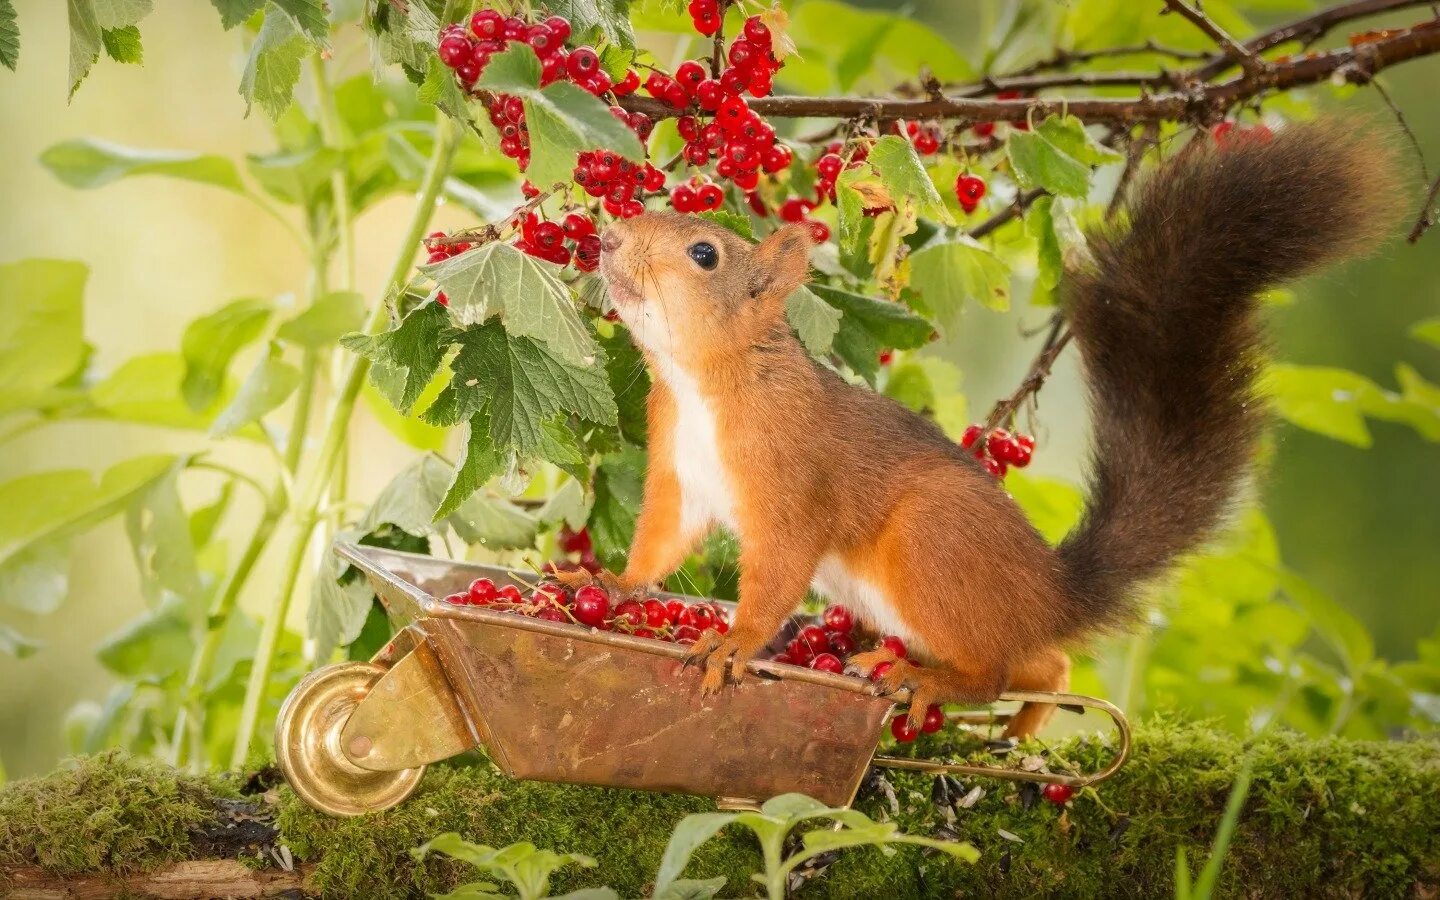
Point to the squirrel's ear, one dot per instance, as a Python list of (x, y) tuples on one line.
[(782, 262)]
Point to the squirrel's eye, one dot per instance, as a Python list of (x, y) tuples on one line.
[(704, 254)]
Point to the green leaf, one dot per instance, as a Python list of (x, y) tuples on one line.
[(1056, 156), (325, 321), (609, 18), (522, 385), (159, 531), (37, 578), (493, 523), (234, 12), (440, 89), (498, 279), (1427, 331), (267, 386), (295, 176), (156, 645), (410, 499), (41, 317), (406, 357), (629, 382), (730, 220), (146, 389), (1320, 399), (211, 342), (48, 506), (204, 520), (562, 119), (1345, 633), (904, 177), (337, 612), (619, 484), (692, 889), (273, 68), (15, 644), (123, 44), (478, 464), (947, 274), (693, 830), (85, 40), (309, 16), (868, 326), (9, 36), (814, 320), (93, 163), (1040, 225)]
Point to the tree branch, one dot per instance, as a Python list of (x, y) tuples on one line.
[(1248, 61), (1427, 212), (1200, 103)]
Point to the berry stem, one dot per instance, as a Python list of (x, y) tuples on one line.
[(305, 509)]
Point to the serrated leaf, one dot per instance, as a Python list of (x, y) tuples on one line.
[(295, 176), (500, 280), (1069, 135), (522, 385), (13, 643), (479, 462), (327, 319), (406, 357), (493, 523), (410, 499), (609, 18), (121, 13), (41, 319), (154, 646), (93, 163), (899, 169), (619, 483), (211, 342), (1040, 225), (273, 68), (234, 12), (630, 383), (37, 578), (268, 385), (1038, 163), (337, 612), (9, 36), (947, 274), (123, 44), (730, 220), (85, 40), (868, 326), (309, 16), (562, 119), (441, 90), (616, 60), (815, 321)]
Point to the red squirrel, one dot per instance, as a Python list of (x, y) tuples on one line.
[(833, 486)]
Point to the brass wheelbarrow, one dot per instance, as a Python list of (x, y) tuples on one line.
[(560, 702)]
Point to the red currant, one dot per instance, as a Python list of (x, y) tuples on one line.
[(487, 23), (577, 225), (483, 591), (829, 166), (934, 719), (838, 618), (894, 644), (560, 27), (880, 670), (655, 616), (819, 231), (971, 435), (709, 94), (592, 605), (903, 731), (827, 662), (1058, 794), (757, 32), (813, 637), (509, 594), (631, 612), (458, 599), (552, 614), (454, 51), (582, 63), (842, 645)]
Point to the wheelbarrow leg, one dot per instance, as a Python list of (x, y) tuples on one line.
[(355, 737)]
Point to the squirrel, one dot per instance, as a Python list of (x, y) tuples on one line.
[(832, 486)]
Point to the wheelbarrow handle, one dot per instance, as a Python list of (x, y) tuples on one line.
[(1122, 727)]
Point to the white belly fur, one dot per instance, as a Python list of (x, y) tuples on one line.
[(706, 492), (839, 585)]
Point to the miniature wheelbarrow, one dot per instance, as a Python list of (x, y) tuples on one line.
[(560, 702)]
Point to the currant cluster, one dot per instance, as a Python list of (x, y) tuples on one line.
[(1000, 450), (925, 137), (573, 240), (705, 16), (578, 543), (591, 606), (699, 194), (618, 182), (442, 252)]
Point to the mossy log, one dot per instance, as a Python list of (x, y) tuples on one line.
[(1324, 818)]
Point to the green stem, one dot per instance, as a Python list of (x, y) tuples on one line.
[(304, 510), (190, 721), (776, 872)]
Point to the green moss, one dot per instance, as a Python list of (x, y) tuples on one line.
[(104, 813), (1324, 818)]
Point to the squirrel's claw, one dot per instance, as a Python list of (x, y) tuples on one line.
[(719, 654)]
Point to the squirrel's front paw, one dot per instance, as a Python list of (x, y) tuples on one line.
[(721, 652)]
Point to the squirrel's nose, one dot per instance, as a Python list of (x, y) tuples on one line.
[(611, 239)]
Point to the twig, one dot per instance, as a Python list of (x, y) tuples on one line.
[(1355, 64), (1063, 59), (1134, 153), (1404, 126), (1248, 61), (1427, 212), (491, 231), (1055, 341), (1013, 211)]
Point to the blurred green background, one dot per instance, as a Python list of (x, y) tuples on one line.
[(1361, 524)]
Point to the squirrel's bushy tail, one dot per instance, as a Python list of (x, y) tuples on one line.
[(1166, 322)]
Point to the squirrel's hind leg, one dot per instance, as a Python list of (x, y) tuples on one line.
[(1047, 670), (938, 684)]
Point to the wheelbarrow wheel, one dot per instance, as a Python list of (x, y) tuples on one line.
[(308, 744)]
